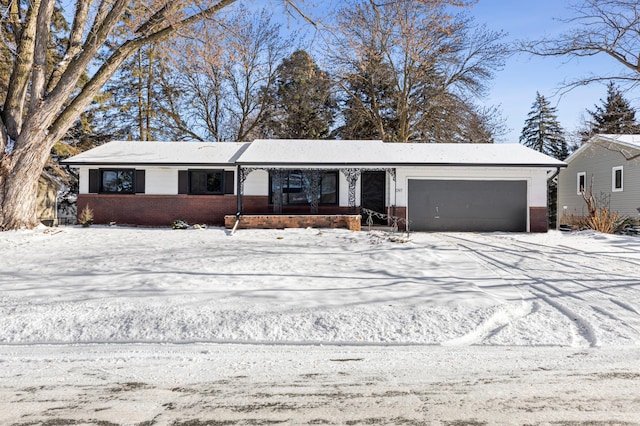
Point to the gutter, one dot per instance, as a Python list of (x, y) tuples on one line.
[(393, 165)]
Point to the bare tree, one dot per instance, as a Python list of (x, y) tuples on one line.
[(217, 69), (599, 27), (407, 66), (44, 99)]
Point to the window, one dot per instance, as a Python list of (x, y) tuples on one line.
[(617, 180), (296, 187), (117, 181), (205, 181), (581, 183)]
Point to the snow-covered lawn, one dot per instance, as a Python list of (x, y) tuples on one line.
[(93, 317), (115, 284)]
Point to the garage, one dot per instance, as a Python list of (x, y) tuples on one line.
[(467, 205)]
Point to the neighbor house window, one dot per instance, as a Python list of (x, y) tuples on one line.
[(581, 182), (296, 187), (117, 181), (617, 180)]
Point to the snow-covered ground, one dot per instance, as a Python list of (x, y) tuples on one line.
[(84, 311), (114, 284)]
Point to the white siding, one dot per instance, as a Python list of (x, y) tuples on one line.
[(257, 183), (83, 175), (536, 178), (161, 181), (343, 190)]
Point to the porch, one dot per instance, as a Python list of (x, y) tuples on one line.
[(271, 221)]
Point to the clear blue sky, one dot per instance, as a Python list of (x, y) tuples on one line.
[(514, 88)]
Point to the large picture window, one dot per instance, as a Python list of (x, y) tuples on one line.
[(117, 181), (297, 187)]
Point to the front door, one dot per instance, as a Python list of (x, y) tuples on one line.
[(372, 194)]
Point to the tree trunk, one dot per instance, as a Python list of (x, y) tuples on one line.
[(19, 174)]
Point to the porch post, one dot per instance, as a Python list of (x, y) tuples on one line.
[(276, 177), (314, 193), (352, 176)]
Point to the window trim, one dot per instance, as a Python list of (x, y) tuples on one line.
[(584, 187), (614, 188), (116, 169), (337, 178)]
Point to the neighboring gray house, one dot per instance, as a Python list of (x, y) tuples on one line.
[(611, 163)]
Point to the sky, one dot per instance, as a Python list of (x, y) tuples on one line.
[(514, 87)]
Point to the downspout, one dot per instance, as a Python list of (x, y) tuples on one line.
[(555, 174), (238, 191), (549, 179)]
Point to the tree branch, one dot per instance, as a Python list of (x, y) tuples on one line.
[(40, 53), (68, 82), (158, 18), (13, 110), (603, 27), (75, 42), (65, 119)]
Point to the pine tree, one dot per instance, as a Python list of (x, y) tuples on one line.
[(542, 131), (135, 95), (372, 86), (301, 104), (615, 116)]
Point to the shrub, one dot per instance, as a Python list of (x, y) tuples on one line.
[(179, 224), (85, 218), (574, 221), (605, 221)]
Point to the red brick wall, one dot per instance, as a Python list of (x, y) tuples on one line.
[(161, 210), (538, 221), (399, 212), (260, 205), (158, 210), (351, 222)]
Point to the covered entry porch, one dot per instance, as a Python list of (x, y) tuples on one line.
[(308, 196)]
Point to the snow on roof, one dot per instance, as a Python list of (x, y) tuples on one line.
[(375, 152), (632, 140), (288, 152), (188, 153), (629, 141), (309, 151)]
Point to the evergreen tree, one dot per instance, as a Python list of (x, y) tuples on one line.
[(300, 104), (542, 130), (372, 86), (135, 95), (615, 116)]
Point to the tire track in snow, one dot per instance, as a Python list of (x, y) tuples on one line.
[(492, 326), (583, 331), (498, 320), (625, 305), (614, 272)]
